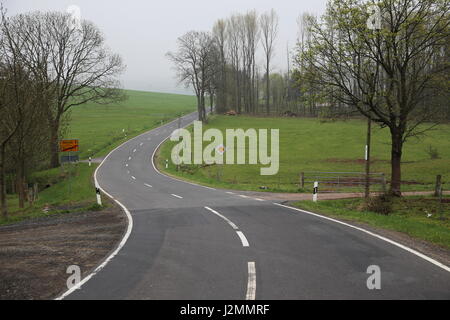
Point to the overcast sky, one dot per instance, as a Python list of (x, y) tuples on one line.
[(143, 31)]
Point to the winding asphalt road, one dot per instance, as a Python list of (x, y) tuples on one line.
[(193, 242)]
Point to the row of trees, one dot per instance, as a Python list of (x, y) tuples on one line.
[(222, 64), (49, 63), (388, 60), (385, 60)]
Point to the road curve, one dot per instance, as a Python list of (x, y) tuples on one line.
[(193, 242)]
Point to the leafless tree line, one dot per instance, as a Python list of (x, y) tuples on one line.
[(396, 75), (234, 79), (48, 65)]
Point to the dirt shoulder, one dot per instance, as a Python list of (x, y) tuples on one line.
[(35, 254)]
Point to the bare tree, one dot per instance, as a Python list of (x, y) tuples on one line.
[(220, 38), (19, 108), (389, 74), (73, 65), (233, 27), (269, 30), (194, 62)]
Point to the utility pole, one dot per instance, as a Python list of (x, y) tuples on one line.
[(372, 25), (368, 142)]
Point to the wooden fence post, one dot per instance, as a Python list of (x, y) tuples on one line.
[(302, 179), (383, 183), (438, 187)]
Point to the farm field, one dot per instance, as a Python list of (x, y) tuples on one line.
[(101, 127), (308, 144)]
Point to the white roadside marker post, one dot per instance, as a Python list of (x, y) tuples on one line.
[(97, 191), (167, 163), (90, 160), (315, 191)]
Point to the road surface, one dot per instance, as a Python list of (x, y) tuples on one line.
[(193, 242)]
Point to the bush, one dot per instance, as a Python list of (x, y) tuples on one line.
[(433, 153), (380, 204)]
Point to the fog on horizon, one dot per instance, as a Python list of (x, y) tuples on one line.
[(142, 32)]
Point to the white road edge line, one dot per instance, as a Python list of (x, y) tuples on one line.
[(125, 236), (421, 255), (223, 217), (251, 285), (243, 239), (176, 196), (152, 160), (122, 242)]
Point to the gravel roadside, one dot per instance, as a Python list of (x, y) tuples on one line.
[(35, 254)]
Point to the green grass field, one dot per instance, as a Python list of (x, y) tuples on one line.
[(99, 129), (410, 216), (313, 145)]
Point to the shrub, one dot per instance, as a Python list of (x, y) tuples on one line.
[(433, 153), (380, 204)]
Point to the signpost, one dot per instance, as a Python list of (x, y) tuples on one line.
[(69, 146), (315, 191), (99, 197)]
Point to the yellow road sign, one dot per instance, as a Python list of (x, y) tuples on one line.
[(68, 145)]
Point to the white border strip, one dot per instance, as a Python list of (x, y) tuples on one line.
[(171, 177), (127, 212), (421, 255)]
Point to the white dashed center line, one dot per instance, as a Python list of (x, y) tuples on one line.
[(233, 225), (251, 285), (147, 185), (223, 217), (134, 150), (177, 196), (133, 177), (243, 239)]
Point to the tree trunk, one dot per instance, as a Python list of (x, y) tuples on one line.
[(396, 158), (21, 185), (54, 147), (4, 207), (267, 88)]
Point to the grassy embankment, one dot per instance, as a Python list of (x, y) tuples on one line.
[(419, 217), (99, 129)]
